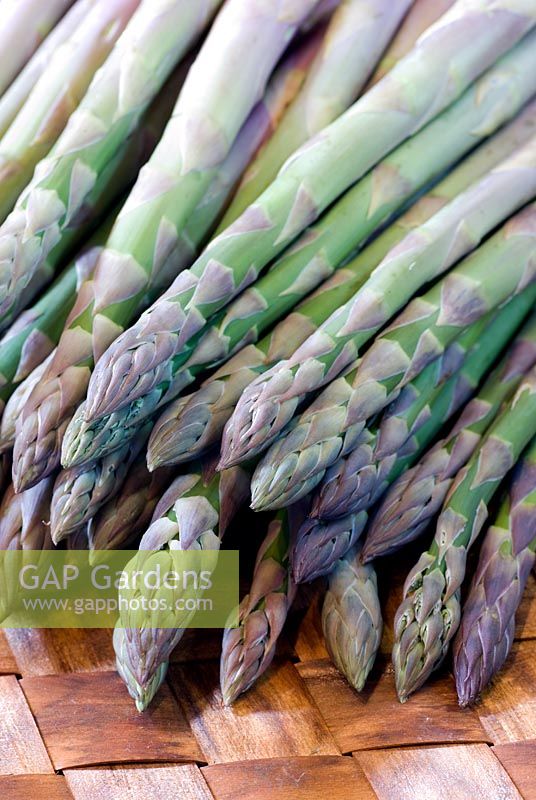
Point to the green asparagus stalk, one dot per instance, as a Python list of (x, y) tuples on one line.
[(421, 15), (80, 492), (18, 92), (297, 461), (219, 94), (193, 514), (271, 401), (417, 496), (352, 618), (310, 181), (360, 477), (56, 95), (193, 424), (335, 236), (64, 385), (319, 542), (429, 614), (24, 25), (125, 517), (506, 558), (355, 39), (248, 650), (79, 165)]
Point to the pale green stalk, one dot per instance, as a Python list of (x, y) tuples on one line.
[(192, 424), (25, 23), (88, 329), (17, 93), (356, 36), (56, 95), (79, 167), (501, 268), (491, 101), (447, 58)]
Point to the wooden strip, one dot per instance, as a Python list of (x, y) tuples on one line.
[(88, 719), (526, 615), (306, 778), (375, 718), (277, 718), (21, 748), (51, 652), (463, 772), (519, 760), (34, 787), (118, 783), (507, 710), (8, 663)]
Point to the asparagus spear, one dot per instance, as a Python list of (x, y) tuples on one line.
[(508, 552), (421, 15), (417, 337), (126, 516), (248, 650), (24, 25), (338, 232), (191, 425), (147, 233), (355, 39), (80, 492), (352, 618), (311, 180), (79, 165), (271, 400), (416, 497), (193, 514), (319, 542), (361, 476), (17, 93), (56, 95), (429, 614), (90, 325)]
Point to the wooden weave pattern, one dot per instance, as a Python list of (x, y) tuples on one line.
[(69, 731)]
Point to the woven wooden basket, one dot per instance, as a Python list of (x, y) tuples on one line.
[(69, 730)]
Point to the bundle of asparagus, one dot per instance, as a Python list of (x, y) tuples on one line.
[(332, 241)]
